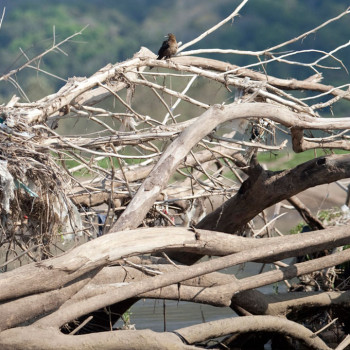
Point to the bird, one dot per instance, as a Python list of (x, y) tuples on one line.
[(168, 48)]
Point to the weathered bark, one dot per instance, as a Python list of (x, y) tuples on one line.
[(265, 188), (215, 289), (292, 305), (287, 84), (277, 305), (310, 219), (115, 293), (326, 172), (45, 296), (301, 144), (27, 308), (38, 338), (35, 338), (248, 324), (92, 256)]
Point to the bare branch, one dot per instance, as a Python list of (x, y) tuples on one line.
[(209, 31), (2, 16), (52, 48)]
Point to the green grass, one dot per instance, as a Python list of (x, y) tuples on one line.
[(298, 228), (303, 157), (103, 163), (293, 159), (266, 157), (274, 161)]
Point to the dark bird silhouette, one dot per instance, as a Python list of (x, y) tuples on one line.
[(168, 48)]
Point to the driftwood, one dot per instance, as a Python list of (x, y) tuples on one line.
[(144, 171)]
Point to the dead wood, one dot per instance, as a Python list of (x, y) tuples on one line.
[(313, 222), (216, 115), (265, 188), (41, 338), (288, 84), (252, 323), (79, 306), (149, 169), (56, 272), (295, 304)]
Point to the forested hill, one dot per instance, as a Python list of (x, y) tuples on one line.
[(117, 29)]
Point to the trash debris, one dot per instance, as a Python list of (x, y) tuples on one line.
[(7, 186)]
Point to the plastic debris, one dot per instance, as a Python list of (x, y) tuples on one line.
[(8, 186)]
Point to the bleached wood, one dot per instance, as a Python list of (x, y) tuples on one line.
[(212, 29)]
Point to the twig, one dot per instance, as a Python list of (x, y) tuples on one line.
[(171, 92), (81, 325), (250, 144), (20, 255), (169, 260), (269, 223), (53, 47), (342, 94), (143, 268), (304, 35), (261, 52), (281, 59), (183, 92), (212, 29), (162, 101), (2, 16), (122, 101), (47, 73), (105, 154), (323, 328), (123, 172), (165, 216)]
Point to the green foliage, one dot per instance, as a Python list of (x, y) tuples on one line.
[(299, 158), (298, 228), (275, 287), (126, 317), (116, 31), (267, 157), (329, 215), (287, 159)]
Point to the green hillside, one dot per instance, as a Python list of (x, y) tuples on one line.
[(117, 29)]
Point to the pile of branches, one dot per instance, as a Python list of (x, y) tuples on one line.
[(143, 169), (35, 207)]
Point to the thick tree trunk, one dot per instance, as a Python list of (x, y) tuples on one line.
[(265, 188)]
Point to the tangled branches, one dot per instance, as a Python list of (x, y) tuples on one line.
[(35, 207), (175, 146)]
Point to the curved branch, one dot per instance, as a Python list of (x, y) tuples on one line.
[(268, 188), (214, 329), (190, 64), (73, 309), (181, 146), (31, 337)]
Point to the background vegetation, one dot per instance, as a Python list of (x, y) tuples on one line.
[(117, 29)]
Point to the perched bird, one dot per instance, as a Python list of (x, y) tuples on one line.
[(168, 48)]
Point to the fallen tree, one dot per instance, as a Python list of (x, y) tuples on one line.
[(200, 176)]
